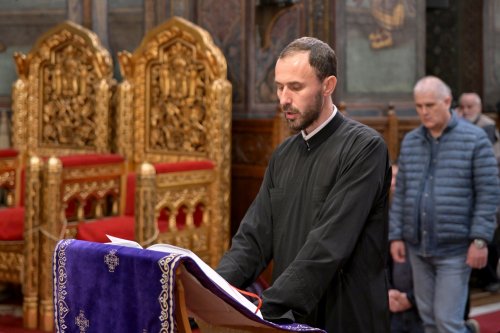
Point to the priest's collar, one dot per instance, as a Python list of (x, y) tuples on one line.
[(307, 137), (324, 131)]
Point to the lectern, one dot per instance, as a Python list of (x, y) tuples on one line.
[(112, 288)]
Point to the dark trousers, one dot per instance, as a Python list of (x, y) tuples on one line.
[(406, 322)]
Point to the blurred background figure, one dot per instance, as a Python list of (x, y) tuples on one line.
[(443, 208), (470, 108), (402, 303)]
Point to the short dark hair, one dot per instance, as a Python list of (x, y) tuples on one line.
[(321, 56)]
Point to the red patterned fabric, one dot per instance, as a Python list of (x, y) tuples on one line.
[(8, 152), (184, 166), (96, 231), (90, 159), (12, 223)]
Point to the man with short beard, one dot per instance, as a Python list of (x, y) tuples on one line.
[(321, 212)]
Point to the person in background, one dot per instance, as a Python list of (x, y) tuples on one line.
[(321, 211), (443, 207), (402, 303), (470, 107)]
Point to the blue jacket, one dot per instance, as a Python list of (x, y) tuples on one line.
[(464, 187)]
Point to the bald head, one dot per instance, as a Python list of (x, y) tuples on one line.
[(432, 102), (434, 85)]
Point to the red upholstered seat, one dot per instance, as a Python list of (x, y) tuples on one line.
[(96, 231), (11, 223), (90, 159), (8, 152)]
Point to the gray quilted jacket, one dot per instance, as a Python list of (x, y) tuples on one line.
[(466, 189)]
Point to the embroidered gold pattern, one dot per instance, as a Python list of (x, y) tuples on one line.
[(112, 260), (60, 280), (166, 298)]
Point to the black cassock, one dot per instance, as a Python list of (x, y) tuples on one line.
[(321, 216)]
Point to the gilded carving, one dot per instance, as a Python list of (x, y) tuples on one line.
[(61, 99), (18, 259), (32, 214), (174, 179), (20, 106), (110, 170), (85, 189), (180, 110), (11, 263)]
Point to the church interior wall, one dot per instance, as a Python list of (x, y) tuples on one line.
[(383, 48)]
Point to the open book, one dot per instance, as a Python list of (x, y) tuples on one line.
[(210, 273)]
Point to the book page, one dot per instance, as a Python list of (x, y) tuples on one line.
[(123, 242), (210, 272)]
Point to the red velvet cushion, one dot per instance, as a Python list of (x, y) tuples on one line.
[(90, 159), (8, 152), (96, 231), (183, 166), (12, 223)]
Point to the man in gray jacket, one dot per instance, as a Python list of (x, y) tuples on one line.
[(443, 207)]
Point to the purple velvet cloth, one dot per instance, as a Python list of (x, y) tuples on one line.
[(109, 288)]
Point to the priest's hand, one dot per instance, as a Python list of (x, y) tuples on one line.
[(398, 301)]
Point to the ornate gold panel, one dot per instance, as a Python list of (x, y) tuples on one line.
[(177, 78), (174, 104), (179, 179), (111, 170), (11, 261), (62, 97)]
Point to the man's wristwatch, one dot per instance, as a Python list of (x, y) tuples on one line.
[(479, 243)]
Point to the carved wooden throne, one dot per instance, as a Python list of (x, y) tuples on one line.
[(174, 107), (61, 107), (18, 227)]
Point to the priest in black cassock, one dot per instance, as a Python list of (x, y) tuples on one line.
[(321, 212)]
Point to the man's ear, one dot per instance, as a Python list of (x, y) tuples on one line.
[(329, 85), (447, 101)]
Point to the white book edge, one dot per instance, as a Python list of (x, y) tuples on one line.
[(209, 271)]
